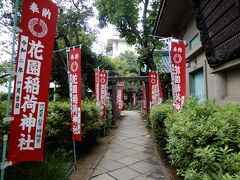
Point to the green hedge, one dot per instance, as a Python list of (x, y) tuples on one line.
[(58, 143), (203, 141), (58, 132), (157, 116)]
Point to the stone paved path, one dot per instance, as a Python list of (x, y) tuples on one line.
[(131, 155)]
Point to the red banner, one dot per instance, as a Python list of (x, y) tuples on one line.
[(103, 93), (75, 80), (144, 98), (179, 73), (31, 90), (153, 89), (96, 88), (119, 103)]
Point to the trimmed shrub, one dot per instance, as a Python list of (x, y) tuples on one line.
[(58, 130), (203, 141), (58, 133), (58, 143), (109, 118), (157, 117)]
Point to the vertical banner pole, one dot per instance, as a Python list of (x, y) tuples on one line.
[(12, 57), (74, 146), (74, 153), (4, 151), (5, 137), (172, 76)]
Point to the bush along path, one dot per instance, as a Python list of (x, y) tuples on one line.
[(203, 141), (58, 150), (131, 154)]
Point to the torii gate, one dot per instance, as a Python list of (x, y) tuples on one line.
[(114, 81)]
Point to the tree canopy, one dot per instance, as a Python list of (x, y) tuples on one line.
[(134, 20), (72, 30), (3, 72), (126, 64)]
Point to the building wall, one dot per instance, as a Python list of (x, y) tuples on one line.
[(221, 84), (120, 46)]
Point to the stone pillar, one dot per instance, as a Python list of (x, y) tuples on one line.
[(114, 100), (147, 95)]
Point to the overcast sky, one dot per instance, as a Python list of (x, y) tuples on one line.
[(98, 46)]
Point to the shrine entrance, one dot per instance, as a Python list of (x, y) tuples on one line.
[(113, 86)]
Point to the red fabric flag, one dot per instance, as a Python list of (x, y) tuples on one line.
[(75, 80), (31, 90), (103, 93), (97, 88), (119, 103), (153, 89), (179, 73)]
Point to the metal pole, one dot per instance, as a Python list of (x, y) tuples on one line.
[(12, 58), (54, 94), (5, 137), (172, 76), (74, 153), (74, 146)]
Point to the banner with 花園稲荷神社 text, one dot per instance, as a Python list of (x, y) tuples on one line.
[(96, 86), (103, 83), (119, 103), (75, 80), (178, 62), (31, 90)]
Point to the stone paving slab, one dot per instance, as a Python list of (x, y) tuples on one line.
[(131, 154), (98, 171), (124, 174), (144, 177), (103, 177), (142, 167), (113, 165), (128, 160)]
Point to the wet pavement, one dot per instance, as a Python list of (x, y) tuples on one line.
[(132, 154)]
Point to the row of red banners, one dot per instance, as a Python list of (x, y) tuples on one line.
[(101, 91), (31, 90), (178, 63)]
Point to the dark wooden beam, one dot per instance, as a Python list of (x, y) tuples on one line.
[(134, 79)]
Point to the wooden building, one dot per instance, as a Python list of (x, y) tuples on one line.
[(211, 29)]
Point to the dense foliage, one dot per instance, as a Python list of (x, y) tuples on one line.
[(135, 21), (53, 167), (203, 141), (58, 142), (126, 64), (3, 72), (58, 134), (157, 117)]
